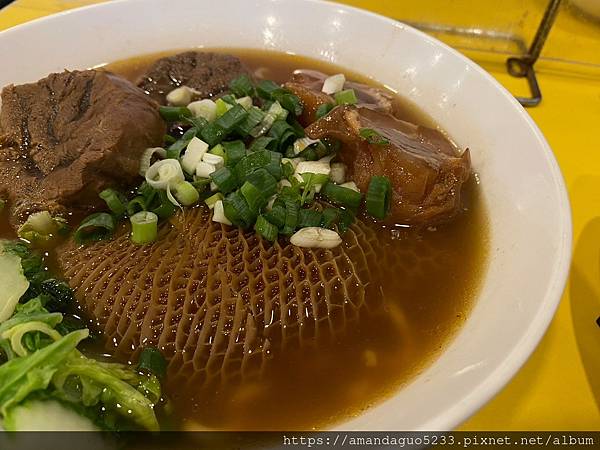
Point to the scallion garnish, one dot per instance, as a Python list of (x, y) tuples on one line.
[(242, 86), (347, 97), (144, 227), (95, 227), (309, 218), (276, 216), (115, 201), (264, 182), (185, 193), (165, 208), (174, 113), (292, 209), (266, 229), (378, 197), (373, 137), (179, 145), (237, 210), (253, 196), (222, 107), (224, 179), (342, 196), (136, 204), (210, 201), (212, 134), (235, 150), (232, 118)]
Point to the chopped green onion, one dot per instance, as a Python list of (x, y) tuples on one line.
[(136, 204), (284, 135), (177, 147), (218, 150), (309, 218), (174, 113), (203, 109), (287, 169), (232, 118), (276, 216), (95, 227), (230, 99), (378, 197), (152, 360), (336, 217), (245, 102), (342, 196), (212, 134), (165, 209), (144, 227), (197, 122), (312, 183), (266, 89), (222, 107), (274, 165), (185, 193), (266, 229), (242, 86), (330, 217), (261, 143), (225, 180), (253, 196), (289, 101), (201, 184), (235, 150), (115, 201), (275, 112), (237, 210), (264, 182), (324, 109), (373, 137), (292, 209), (251, 162), (255, 117), (210, 201), (146, 158), (347, 97)]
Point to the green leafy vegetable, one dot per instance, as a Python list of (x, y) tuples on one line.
[(95, 227)]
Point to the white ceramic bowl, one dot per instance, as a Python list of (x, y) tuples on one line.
[(530, 223)]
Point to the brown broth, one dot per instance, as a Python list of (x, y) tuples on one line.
[(311, 388)]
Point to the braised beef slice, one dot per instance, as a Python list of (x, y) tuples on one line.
[(308, 85), (68, 136), (425, 170), (208, 73)]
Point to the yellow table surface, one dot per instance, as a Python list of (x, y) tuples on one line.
[(559, 387)]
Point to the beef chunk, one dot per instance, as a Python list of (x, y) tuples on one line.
[(70, 135), (307, 85), (425, 170), (208, 73)]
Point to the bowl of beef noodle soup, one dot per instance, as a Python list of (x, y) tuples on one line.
[(250, 215)]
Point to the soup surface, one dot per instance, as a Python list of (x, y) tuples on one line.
[(425, 302)]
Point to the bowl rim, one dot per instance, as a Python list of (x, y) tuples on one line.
[(501, 375)]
